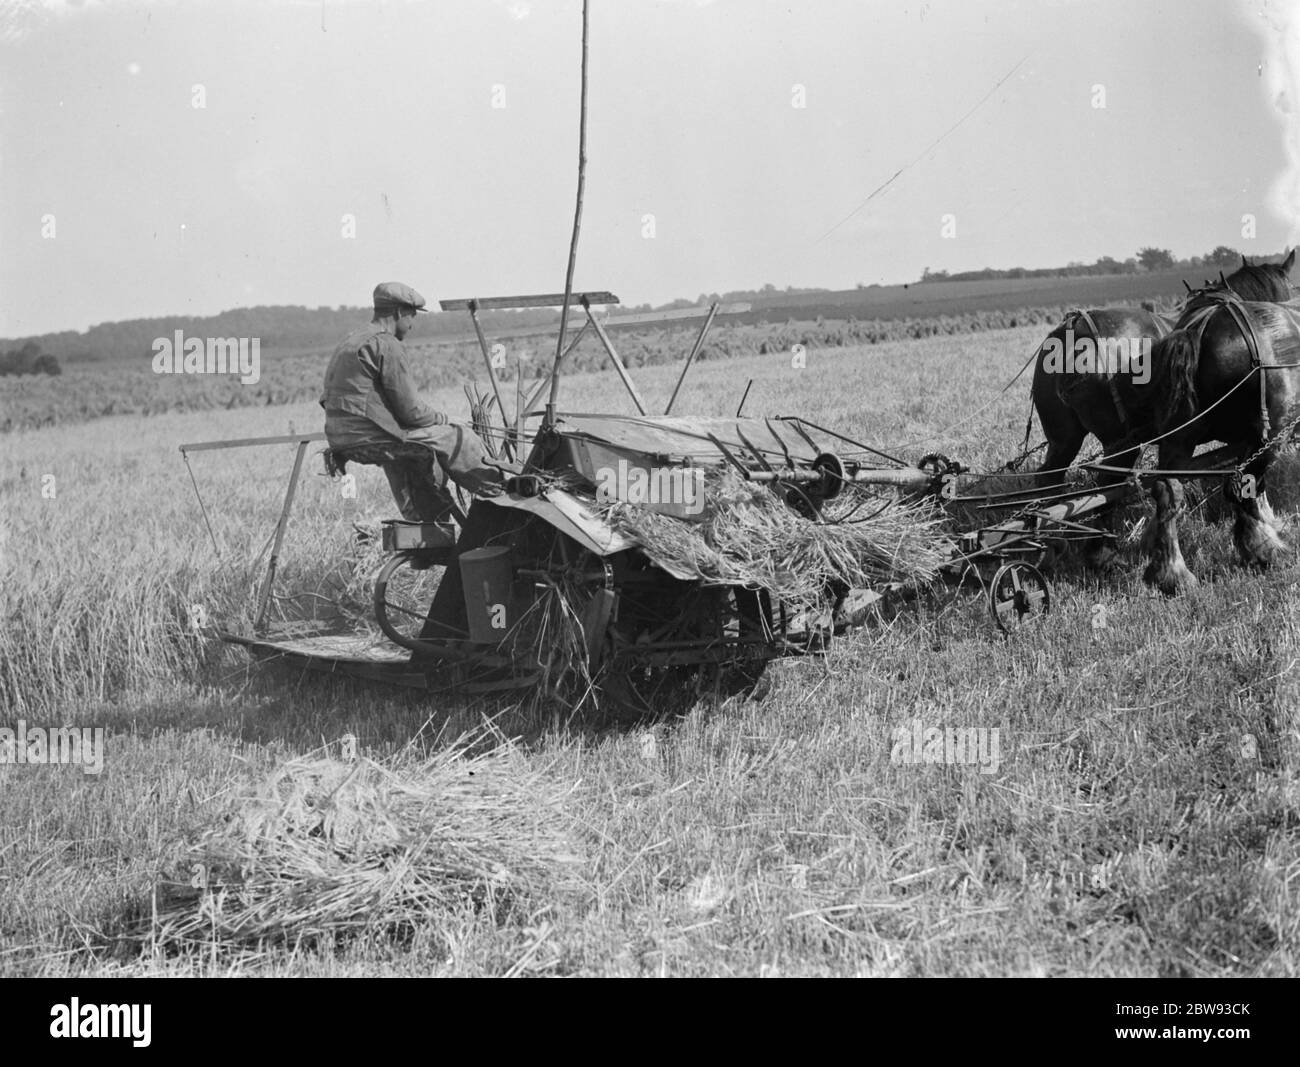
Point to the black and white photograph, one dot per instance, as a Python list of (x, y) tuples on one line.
[(650, 488)]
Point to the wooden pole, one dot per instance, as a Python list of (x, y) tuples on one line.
[(577, 225)]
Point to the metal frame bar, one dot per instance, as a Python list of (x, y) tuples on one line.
[(695, 351), (638, 318), (302, 440), (585, 300), (492, 377), (264, 597), (618, 362), (744, 396), (542, 300), (537, 390), (245, 442)]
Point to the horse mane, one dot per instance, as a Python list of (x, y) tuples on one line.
[(1263, 282)]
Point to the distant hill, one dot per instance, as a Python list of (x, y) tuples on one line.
[(282, 329), (286, 330), (926, 299)]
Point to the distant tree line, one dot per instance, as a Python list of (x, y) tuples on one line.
[(288, 329), (282, 328), (28, 360), (1146, 260), (769, 293)]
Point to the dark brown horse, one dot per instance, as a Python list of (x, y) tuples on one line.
[(1233, 373), (1103, 371)]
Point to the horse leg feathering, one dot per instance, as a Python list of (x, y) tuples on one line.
[(1254, 532), (1167, 570)]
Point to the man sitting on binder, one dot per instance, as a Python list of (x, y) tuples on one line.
[(373, 414)]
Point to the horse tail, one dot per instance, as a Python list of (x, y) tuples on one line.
[(1177, 357)]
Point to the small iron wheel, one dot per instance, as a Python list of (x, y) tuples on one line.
[(404, 589), (1018, 592)]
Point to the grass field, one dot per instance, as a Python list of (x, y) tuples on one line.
[(1144, 818)]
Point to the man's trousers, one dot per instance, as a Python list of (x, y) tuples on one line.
[(419, 467)]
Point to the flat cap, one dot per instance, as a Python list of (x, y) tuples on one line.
[(388, 294)]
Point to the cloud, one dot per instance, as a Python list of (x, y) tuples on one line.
[(21, 18), (1278, 22)]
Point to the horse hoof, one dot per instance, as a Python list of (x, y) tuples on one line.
[(1261, 560), (1257, 545), (1171, 581), (1102, 559)]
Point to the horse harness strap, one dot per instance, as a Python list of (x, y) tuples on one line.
[(1112, 383), (1230, 301), (1195, 323), (1110, 378), (1247, 328)]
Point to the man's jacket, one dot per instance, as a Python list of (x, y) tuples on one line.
[(368, 388)]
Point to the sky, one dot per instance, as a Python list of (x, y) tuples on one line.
[(186, 158)]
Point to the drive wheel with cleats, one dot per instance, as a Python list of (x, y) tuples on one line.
[(1018, 593)]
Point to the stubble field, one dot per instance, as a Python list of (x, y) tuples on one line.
[(1144, 819)]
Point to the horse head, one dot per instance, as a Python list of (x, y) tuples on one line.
[(1264, 282)]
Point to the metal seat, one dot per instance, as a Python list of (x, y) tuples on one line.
[(374, 454)]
